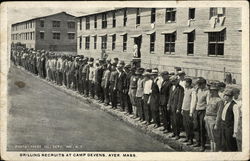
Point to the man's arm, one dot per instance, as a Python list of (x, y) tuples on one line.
[(236, 118)]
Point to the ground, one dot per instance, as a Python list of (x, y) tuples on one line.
[(43, 118)]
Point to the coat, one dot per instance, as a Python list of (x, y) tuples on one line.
[(164, 93), (176, 98)]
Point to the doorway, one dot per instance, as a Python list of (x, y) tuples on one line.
[(138, 41)]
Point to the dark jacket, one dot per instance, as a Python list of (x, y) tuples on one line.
[(121, 81), (176, 98), (164, 93)]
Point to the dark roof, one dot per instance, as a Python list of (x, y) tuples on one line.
[(43, 17), (102, 11)]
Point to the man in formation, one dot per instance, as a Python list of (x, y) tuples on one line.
[(172, 102)]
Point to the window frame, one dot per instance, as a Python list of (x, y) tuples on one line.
[(152, 42), (138, 17), (40, 35), (55, 36), (56, 23), (70, 37), (87, 42), (104, 40), (42, 23), (70, 24), (191, 13), (95, 42), (125, 17), (95, 21), (172, 15), (104, 21), (190, 42), (80, 43), (124, 42), (113, 42), (87, 20), (172, 37), (213, 11), (114, 19), (153, 15), (219, 39)]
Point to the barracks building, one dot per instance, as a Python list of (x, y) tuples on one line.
[(203, 41), (55, 32)]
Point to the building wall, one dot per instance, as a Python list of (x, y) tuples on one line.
[(63, 44), (19, 31), (199, 64)]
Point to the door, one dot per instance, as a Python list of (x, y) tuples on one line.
[(138, 41)]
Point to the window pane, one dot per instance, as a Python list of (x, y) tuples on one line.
[(190, 48), (172, 47), (220, 49), (211, 49)]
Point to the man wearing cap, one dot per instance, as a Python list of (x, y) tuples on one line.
[(85, 76), (129, 104), (105, 82), (120, 84), (181, 77), (163, 101), (228, 121), (214, 104), (154, 98), (59, 71), (132, 86), (68, 72), (139, 93), (112, 87), (198, 111), (91, 78), (147, 90), (174, 105), (222, 87), (186, 105), (237, 100)]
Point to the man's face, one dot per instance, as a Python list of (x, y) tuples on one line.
[(187, 84), (227, 98), (236, 96), (202, 86)]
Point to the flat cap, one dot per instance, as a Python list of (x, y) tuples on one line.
[(181, 73), (164, 73)]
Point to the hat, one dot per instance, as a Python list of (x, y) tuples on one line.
[(127, 66), (236, 91), (139, 71), (121, 62), (172, 73), (213, 85), (228, 92), (201, 80), (173, 78), (181, 73), (221, 85), (91, 59), (149, 70), (164, 73), (189, 80), (154, 71), (146, 73)]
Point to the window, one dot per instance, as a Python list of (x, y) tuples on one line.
[(42, 35), (190, 43), (113, 41), (153, 15), (216, 43), (56, 36), (56, 23), (95, 22), (80, 24), (104, 20), (170, 14), (191, 14), (41, 23), (71, 36), (217, 12), (138, 16), (80, 43), (114, 20), (170, 43), (95, 40), (152, 43), (125, 17), (87, 40), (87, 23), (71, 25), (125, 38), (104, 42)]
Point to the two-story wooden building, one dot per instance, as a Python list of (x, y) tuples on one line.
[(202, 41), (55, 32)]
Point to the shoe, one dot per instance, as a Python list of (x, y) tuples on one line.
[(184, 141), (203, 149), (197, 145), (177, 138), (172, 136), (190, 142)]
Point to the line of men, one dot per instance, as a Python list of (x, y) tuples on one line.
[(170, 100)]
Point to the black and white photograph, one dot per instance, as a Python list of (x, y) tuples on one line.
[(125, 80)]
